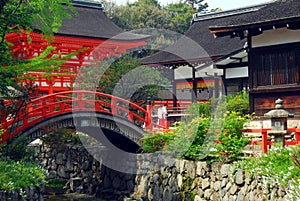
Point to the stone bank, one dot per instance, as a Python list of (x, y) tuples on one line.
[(178, 180)]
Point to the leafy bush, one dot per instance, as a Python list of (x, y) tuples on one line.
[(296, 156), (60, 138), (55, 183), (192, 133), (190, 137), (238, 103), (17, 149), (231, 140), (19, 175), (199, 109), (156, 141), (276, 167)]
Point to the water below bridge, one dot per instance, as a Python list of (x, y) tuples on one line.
[(72, 197)]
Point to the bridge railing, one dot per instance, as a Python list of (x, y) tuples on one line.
[(48, 106)]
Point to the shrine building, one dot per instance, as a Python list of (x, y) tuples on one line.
[(89, 30)]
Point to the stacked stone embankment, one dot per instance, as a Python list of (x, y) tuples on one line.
[(176, 180)]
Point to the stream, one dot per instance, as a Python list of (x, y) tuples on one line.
[(71, 197)]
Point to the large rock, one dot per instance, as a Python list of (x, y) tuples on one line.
[(239, 177)]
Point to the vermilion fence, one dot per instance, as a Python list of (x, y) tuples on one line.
[(265, 141)]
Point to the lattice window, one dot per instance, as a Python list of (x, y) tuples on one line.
[(275, 66)]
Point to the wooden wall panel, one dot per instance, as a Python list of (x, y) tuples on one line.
[(266, 102)]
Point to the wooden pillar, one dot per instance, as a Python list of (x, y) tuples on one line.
[(264, 144), (174, 93), (50, 83), (194, 89), (216, 86), (149, 115)]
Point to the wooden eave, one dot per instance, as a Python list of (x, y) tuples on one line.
[(178, 63), (255, 28)]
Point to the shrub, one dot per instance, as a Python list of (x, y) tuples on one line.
[(296, 156), (156, 141), (19, 175), (190, 137), (17, 148), (192, 133), (186, 141), (199, 109), (238, 103), (55, 183), (231, 140), (60, 138), (275, 168)]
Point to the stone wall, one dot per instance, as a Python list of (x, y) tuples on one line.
[(196, 181), (177, 181), (29, 194), (72, 164), (84, 174)]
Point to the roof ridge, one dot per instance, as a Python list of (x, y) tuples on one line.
[(242, 10), (88, 4)]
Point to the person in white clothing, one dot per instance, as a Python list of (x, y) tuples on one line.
[(161, 115)]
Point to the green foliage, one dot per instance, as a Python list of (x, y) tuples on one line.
[(126, 78), (46, 16), (197, 134), (205, 109), (181, 15), (1, 133), (276, 167), (141, 14), (60, 138), (150, 14), (231, 138), (19, 175), (198, 4), (238, 103), (296, 156), (186, 141), (153, 142), (55, 183), (190, 137), (186, 192), (17, 149)]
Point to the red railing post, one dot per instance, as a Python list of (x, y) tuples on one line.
[(130, 116), (114, 109), (167, 125), (44, 108), (80, 100), (297, 137), (264, 144)]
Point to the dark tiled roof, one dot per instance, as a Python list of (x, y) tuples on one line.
[(92, 22), (199, 33), (280, 11)]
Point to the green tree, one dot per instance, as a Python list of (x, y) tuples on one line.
[(197, 4), (181, 16), (141, 14), (46, 16), (150, 14), (16, 15), (126, 78)]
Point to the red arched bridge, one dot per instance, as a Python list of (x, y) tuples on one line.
[(79, 109)]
